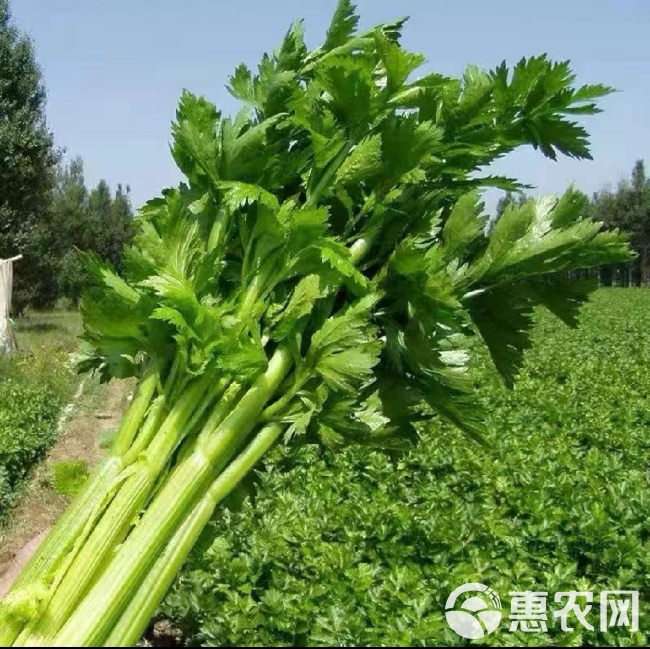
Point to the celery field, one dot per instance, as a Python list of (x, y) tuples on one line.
[(348, 549)]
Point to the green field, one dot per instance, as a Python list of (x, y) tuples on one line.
[(355, 549)]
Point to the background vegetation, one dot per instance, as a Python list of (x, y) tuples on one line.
[(34, 386), (46, 210)]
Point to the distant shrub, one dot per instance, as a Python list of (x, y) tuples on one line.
[(28, 419)]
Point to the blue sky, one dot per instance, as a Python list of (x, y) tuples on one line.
[(114, 70)]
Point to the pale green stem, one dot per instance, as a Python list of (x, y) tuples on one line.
[(359, 249), (118, 517), (220, 412), (97, 613), (149, 428), (55, 547), (136, 412), (171, 383), (219, 230), (250, 297), (151, 592)]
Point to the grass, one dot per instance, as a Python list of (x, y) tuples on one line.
[(354, 549), (69, 477), (44, 342)]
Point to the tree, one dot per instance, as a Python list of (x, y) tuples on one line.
[(88, 221), (120, 228), (27, 164), (70, 207), (110, 220), (70, 230), (637, 199), (509, 198)]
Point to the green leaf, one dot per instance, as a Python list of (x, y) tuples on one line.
[(243, 87), (346, 370), (338, 257), (363, 162), (562, 296), (176, 292), (343, 25), (503, 317), (239, 194), (195, 147), (398, 63), (465, 224), (102, 274), (293, 50), (307, 291), (348, 329)]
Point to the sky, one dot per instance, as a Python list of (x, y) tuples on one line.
[(114, 70)]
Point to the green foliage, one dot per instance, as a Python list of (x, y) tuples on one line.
[(27, 169), (35, 383), (337, 147), (69, 477), (343, 168), (350, 549), (28, 417), (91, 221), (45, 341), (45, 209)]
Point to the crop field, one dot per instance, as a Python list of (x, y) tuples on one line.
[(356, 549)]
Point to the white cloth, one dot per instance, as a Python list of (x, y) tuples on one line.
[(7, 338)]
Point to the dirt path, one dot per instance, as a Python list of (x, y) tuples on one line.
[(97, 408)]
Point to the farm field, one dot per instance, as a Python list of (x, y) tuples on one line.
[(370, 548), (350, 549)]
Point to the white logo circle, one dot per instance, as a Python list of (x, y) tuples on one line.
[(476, 616)]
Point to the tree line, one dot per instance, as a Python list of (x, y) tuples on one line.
[(628, 209), (89, 220)]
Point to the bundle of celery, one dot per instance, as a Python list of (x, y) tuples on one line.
[(312, 282)]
